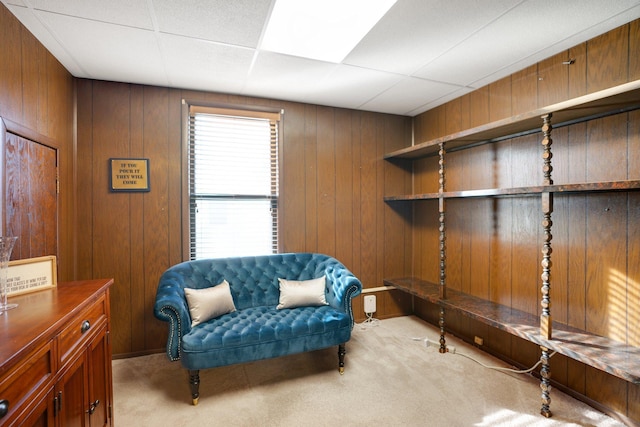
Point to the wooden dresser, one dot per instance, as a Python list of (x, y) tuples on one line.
[(55, 357)]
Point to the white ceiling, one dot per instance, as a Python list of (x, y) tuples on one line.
[(422, 53)]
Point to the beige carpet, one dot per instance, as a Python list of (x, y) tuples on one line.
[(391, 379)]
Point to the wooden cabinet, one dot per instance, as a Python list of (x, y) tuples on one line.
[(55, 357), (516, 314)]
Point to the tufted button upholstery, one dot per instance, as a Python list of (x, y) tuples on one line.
[(257, 330)]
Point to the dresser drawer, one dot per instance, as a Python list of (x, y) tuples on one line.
[(80, 328), (19, 386)]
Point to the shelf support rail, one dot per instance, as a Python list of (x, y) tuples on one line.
[(442, 240), (545, 316)]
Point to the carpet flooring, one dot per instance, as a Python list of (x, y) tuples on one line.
[(391, 379)]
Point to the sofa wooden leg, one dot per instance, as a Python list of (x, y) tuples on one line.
[(194, 383), (341, 352)]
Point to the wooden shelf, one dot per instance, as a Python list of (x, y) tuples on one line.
[(617, 99), (629, 185), (611, 356)]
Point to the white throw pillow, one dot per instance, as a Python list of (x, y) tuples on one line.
[(299, 293), (207, 303)]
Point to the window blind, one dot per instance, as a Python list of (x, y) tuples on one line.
[(233, 183)]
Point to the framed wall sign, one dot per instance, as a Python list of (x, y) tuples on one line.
[(129, 174), (31, 274)]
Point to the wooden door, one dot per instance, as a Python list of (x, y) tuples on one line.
[(99, 381), (42, 414), (71, 392), (31, 199)]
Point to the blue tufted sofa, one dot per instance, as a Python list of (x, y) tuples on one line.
[(257, 329)]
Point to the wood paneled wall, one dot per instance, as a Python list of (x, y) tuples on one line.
[(333, 180), (493, 245), (37, 102)]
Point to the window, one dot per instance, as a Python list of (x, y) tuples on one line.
[(233, 183)]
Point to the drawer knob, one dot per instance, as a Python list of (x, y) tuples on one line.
[(4, 407), (85, 326)]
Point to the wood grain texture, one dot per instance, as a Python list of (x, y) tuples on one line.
[(31, 199), (36, 96), (633, 270), (553, 79), (11, 98), (292, 177), (608, 59), (524, 90), (453, 116), (578, 71), (634, 50), (500, 99)]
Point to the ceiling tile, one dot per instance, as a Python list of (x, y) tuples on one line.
[(108, 51), (350, 87), (285, 77), (414, 32), (204, 65), (237, 22), (134, 13), (409, 94)]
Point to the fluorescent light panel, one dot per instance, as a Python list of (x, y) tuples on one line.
[(326, 30)]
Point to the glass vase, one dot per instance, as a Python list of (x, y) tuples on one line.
[(6, 246)]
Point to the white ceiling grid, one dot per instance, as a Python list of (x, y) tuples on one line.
[(421, 54)]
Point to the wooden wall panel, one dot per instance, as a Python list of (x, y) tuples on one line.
[(138, 226), (110, 213), (524, 90), (343, 188), (292, 211), (155, 211), (553, 80), (326, 175), (310, 180), (500, 99), (634, 50), (85, 185), (357, 135), (632, 274), (578, 71), (608, 59), (453, 116), (478, 107), (11, 98), (37, 98)]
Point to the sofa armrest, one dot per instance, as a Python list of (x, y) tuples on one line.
[(342, 286), (171, 306)]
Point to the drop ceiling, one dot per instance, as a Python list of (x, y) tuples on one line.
[(421, 54)]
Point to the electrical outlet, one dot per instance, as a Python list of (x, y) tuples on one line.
[(478, 340), (370, 304)]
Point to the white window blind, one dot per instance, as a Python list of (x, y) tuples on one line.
[(233, 183)]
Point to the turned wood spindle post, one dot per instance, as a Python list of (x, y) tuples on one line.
[(442, 238), (545, 316)]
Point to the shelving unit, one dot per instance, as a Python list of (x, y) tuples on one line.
[(608, 355)]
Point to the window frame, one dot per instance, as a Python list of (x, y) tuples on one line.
[(190, 107)]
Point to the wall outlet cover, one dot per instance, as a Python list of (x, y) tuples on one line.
[(370, 304)]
